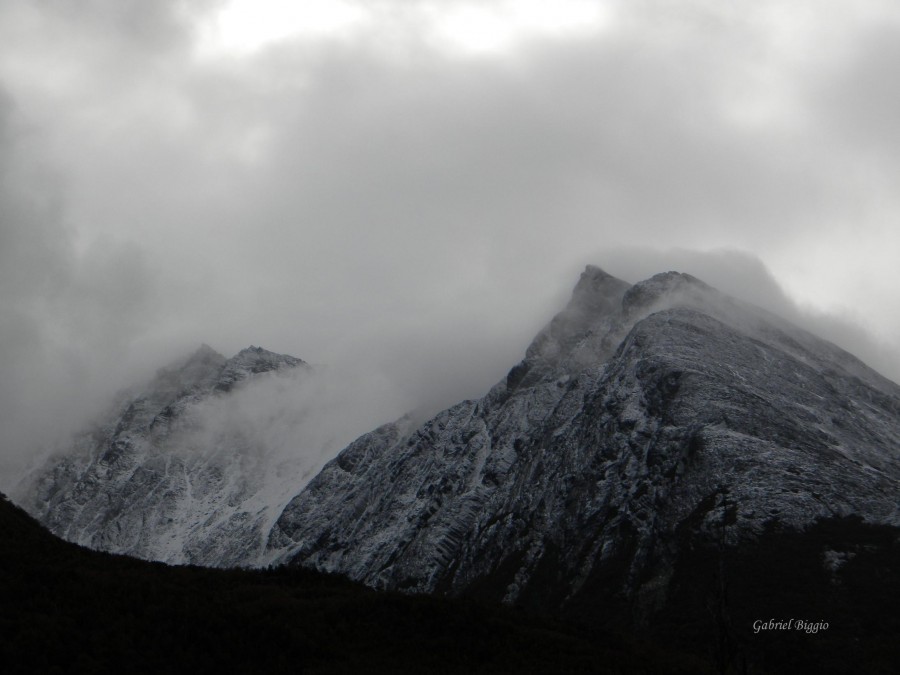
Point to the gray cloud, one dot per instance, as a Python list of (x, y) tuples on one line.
[(66, 319), (416, 214)]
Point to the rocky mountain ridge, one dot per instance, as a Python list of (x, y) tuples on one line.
[(166, 476), (641, 419)]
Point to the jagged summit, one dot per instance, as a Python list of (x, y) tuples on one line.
[(206, 371), (254, 360), (600, 313), (206, 354), (260, 359)]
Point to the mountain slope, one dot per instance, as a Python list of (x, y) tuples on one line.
[(638, 417), (175, 472)]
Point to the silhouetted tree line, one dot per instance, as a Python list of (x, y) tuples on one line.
[(65, 609)]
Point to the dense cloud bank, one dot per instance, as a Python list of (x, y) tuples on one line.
[(371, 188)]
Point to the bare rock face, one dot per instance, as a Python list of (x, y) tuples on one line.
[(167, 476), (644, 421)]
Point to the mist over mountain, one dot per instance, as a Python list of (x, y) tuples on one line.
[(656, 441), (636, 410), (195, 465), (382, 202), (401, 194), (664, 457)]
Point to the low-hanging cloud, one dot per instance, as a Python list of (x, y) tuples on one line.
[(284, 426), (66, 320)]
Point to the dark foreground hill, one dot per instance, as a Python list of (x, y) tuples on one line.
[(65, 609)]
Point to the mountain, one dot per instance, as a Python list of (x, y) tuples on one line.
[(67, 609), (177, 472), (656, 440), (634, 411), (665, 460)]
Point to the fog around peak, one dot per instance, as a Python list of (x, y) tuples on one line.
[(374, 191), (745, 277)]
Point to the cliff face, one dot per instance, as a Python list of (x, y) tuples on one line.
[(643, 421)]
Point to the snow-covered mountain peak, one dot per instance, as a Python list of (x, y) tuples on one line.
[(600, 313), (186, 467)]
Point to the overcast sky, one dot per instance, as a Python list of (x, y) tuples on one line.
[(408, 189)]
